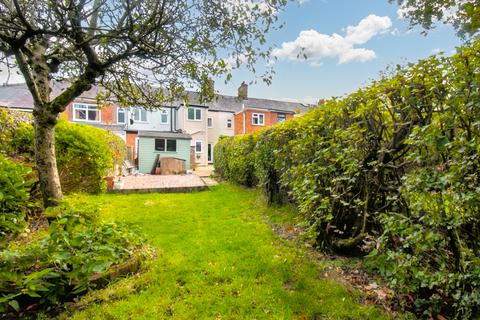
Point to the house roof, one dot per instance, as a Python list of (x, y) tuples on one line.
[(18, 96), (164, 134), (234, 104)]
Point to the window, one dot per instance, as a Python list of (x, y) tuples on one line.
[(140, 115), (198, 147), (281, 117), (170, 144), (258, 119), (163, 116), (194, 114), (159, 144), (229, 124), (86, 112), (210, 122), (121, 115)]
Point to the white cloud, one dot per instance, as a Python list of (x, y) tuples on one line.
[(313, 45)]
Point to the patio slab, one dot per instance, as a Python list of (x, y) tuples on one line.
[(161, 184)]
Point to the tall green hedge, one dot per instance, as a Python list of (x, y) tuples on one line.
[(391, 170), (85, 154)]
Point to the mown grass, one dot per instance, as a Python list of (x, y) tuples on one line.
[(217, 259)]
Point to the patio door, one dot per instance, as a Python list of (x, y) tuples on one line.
[(210, 153)]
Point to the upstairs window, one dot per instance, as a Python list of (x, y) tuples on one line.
[(194, 114), (121, 115), (229, 124), (210, 122), (281, 117), (163, 116), (86, 112), (258, 119), (139, 115)]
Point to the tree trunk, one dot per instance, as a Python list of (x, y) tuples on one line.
[(46, 162)]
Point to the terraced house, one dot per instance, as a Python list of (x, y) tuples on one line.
[(186, 132)]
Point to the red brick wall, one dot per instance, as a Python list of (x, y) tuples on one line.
[(270, 119), (131, 137), (238, 118), (109, 114)]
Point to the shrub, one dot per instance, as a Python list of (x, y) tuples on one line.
[(397, 161), (85, 154), (64, 261), (236, 160), (15, 186)]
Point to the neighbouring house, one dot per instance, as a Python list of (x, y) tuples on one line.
[(183, 131)]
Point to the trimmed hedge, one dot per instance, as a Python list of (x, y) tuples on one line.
[(391, 170), (85, 154)]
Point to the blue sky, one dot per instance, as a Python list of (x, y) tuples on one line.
[(389, 43), (369, 37)]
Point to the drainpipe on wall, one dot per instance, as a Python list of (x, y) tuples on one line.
[(244, 119)]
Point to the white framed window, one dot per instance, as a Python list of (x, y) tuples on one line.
[(194, 114), (163, 116), (198, 146), (258, 119), (281, 117), (229, 123), (86, 112), (210, 122), (139, 115), (121, 115), (169, 145)]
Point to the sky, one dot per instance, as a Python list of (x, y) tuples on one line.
[(348, 43)]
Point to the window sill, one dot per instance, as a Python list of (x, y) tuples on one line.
[(92, 121)]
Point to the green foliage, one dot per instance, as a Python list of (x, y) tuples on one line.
[(15, 186), (397, 161), (63, 261), (85, 154), (237, 164), (463, 15)]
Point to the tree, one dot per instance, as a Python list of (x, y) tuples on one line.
[(129, 47), (463, 14)]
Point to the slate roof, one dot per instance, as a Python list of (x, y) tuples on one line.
[(18, 96)]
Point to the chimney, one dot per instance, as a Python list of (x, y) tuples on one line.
[(243, 91)]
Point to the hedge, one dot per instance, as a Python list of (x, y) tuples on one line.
[(85, 154), (391, 171)]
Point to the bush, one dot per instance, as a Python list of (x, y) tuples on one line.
[(236, 164), (15, 186), (397, 161), (85, 154), (65, 261)]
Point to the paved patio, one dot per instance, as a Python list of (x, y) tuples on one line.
[(162, 183)]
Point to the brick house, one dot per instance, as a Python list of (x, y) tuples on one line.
[(203, 122)]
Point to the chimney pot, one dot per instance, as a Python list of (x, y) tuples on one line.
[(243, 91)]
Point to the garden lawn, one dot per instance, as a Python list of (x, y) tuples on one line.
[(217, 258)]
